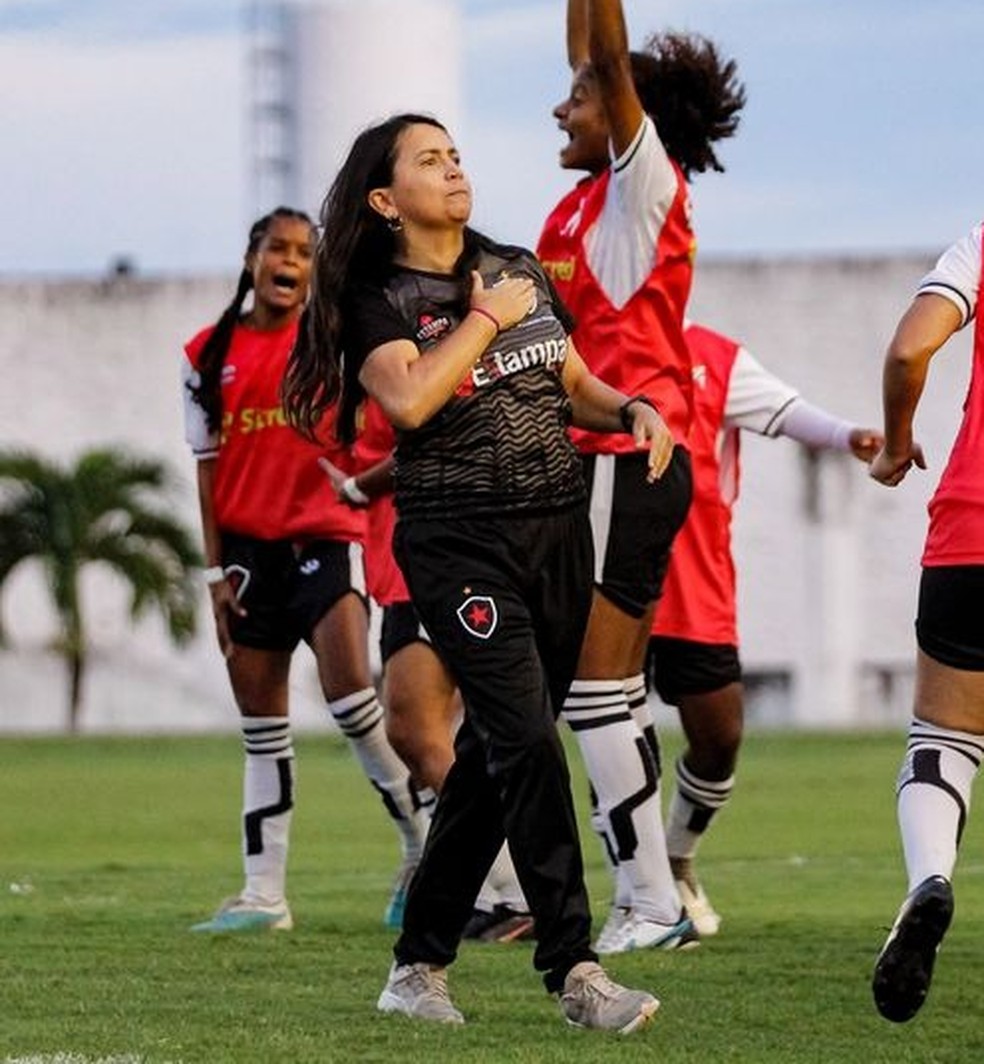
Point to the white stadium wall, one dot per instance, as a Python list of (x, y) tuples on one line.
[(96, 364), (354, 62), (827, 560)]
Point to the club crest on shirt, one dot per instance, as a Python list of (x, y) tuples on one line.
[(478, 616), (430, 327)]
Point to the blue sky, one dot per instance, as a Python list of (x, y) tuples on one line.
[(123, 128)]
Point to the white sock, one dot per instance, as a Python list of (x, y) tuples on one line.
[(642, 714), (623, 775), (268, 803), (694, 804), (638, 702), (934, 788), (360, 718)]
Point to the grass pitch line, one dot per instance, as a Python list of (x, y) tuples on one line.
[(76, 1058)]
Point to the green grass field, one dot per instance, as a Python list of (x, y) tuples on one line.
[(110, 848)]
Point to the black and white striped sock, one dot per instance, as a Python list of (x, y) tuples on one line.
[(694, 804), (934, 789), (268, 803), (359, 716), (623, 776)]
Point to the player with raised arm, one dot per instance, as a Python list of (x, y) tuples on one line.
[(620, 249)]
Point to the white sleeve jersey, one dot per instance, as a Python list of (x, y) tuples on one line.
[(621, 245), (757, 400), (957, 274), (760, 402), (203, 442)]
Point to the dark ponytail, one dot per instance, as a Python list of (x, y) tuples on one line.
[(208, 393)]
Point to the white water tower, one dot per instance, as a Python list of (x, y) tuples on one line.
[(322, 70)]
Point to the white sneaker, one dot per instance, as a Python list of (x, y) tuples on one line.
[(238, 915), (591, 999), (618, 917), (699, 909), (419, 990), (640, 933)]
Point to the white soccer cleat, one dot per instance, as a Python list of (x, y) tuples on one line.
[(618, 917), (421, 991), (393, 917), (237, 915), (640, 933)]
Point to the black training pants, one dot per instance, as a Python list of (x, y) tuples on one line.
[(506, 602)]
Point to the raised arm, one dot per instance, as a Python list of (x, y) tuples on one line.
[(608, 53), (577, 33), (928, 323)]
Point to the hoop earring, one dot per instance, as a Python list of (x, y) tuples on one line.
[(394, 223)]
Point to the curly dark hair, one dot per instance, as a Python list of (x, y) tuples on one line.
[(692, 94)]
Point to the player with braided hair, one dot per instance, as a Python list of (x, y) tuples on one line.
[(284, 563)]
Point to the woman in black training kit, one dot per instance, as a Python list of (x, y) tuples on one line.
[(464, 345)]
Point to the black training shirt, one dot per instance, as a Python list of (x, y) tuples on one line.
[(500, 444)]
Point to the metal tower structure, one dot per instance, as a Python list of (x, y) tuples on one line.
[(270, 120), (319, 71)]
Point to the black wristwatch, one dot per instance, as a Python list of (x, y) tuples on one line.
[(625, 416)]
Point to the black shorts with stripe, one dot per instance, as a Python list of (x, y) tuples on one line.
[(401, 626), (679, 667), (950, 621), (286, 588), (633, 524)]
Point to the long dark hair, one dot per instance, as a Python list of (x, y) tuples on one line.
[(355, 247), (693, 95), (208, 392)]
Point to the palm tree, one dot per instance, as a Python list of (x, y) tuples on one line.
[(108, 507)]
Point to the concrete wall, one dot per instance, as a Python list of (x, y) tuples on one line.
[(828, 561), (85, 364)]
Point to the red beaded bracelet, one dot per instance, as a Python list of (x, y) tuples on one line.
[(487, 314)]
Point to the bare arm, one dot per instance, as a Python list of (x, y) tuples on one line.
[(411, 386), (608, 50), (577, 33), (206, 505), (598, 407), (928, 323), (223, 596)]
